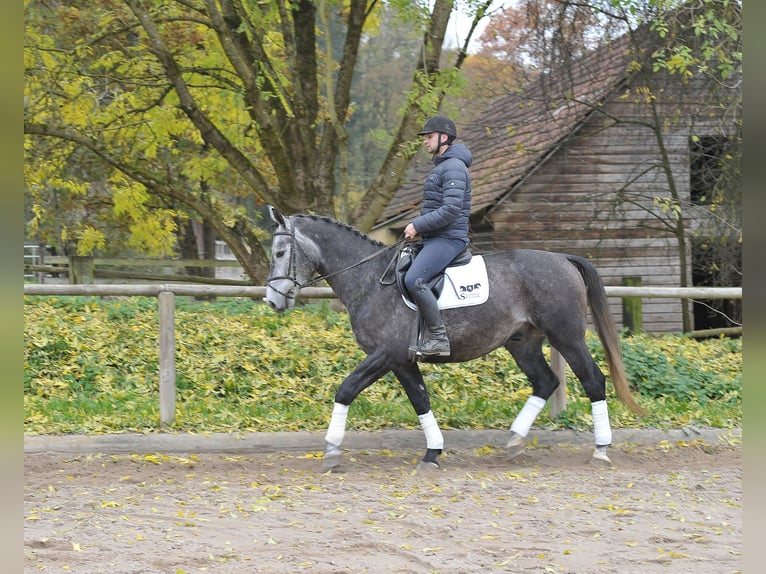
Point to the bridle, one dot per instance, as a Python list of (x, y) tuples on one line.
[(291, 269), (292, 273)]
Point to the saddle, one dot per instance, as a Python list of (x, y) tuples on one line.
[(465, 277), (408, 254)]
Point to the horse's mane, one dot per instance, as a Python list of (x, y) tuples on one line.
[(342, 225)]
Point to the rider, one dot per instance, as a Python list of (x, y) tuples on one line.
[(442, 224)]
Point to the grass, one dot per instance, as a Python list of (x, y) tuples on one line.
[(91, 366)]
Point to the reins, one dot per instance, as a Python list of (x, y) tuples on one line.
[(291, 265), (392, 263), (358, 263)]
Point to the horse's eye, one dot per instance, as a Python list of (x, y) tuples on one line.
[(279, 254)]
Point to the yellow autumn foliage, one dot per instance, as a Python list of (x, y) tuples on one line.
[(91, 365)]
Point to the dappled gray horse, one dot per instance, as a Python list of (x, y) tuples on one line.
[(533, 295)]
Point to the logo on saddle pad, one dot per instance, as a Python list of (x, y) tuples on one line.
[(464, 285)]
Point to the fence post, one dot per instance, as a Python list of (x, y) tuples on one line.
[(81, 269), (632, 308), (559, 396), (167, 305)]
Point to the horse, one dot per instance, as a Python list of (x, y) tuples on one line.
[(534, 295)]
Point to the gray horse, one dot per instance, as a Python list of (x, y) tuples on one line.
[(534, 295)]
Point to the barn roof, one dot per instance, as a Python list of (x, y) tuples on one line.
[(518, 131)]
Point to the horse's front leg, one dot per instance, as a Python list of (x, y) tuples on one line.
[(374, 366), (411, 379)]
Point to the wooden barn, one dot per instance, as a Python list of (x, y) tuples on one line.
[(588, 161)]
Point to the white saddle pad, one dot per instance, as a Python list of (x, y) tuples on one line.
[(464, 285)]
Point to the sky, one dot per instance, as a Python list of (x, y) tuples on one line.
[(459, 25)]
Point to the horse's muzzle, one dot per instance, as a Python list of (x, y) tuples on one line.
[(273, 305), (279, 306), (279, 301)]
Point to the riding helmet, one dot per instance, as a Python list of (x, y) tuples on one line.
[(441, 124)]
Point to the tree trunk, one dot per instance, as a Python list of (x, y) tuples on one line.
[(391, 174)]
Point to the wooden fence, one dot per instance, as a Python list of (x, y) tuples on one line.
[(84, 269), (166, 294)]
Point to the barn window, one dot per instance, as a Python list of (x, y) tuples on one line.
[(717, 262), (708, 157)]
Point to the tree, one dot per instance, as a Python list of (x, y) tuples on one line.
[(206, 108), (530, 38), (383, 73)]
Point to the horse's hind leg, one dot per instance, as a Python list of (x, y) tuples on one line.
[(594, 383), (528, 354)]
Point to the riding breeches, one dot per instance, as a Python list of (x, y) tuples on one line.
[(436, 254)]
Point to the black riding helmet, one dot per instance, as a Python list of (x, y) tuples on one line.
[(442, 125)]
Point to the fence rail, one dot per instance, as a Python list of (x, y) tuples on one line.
[(167, 292), (195, 290)]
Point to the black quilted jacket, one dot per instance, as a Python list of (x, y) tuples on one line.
[(447, 196)]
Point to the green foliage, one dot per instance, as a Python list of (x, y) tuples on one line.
[(680, 367), (715, 46), (91, 365), (689, 380)]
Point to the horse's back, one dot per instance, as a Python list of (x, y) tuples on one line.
[(533, 289), (533, 267), (537, 280)]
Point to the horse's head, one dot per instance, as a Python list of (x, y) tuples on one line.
[(291, 264)]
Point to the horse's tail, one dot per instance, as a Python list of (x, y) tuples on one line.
[(606, 330)]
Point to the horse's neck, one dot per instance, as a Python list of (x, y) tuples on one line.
[(342, 254)]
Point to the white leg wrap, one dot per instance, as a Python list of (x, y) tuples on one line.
[(337, 429), (523, 421), (601, 428), (434, 438)]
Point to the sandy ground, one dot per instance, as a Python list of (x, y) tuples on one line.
[(667, 507)]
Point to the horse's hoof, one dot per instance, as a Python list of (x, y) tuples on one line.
[(600, 458), (427, 466), (332, 456), (515, 445)]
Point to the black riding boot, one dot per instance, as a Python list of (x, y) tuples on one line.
[(437, 344)]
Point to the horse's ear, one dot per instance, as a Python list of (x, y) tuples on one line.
[(276, 216)]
